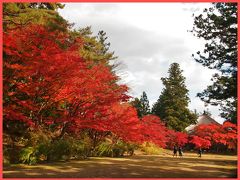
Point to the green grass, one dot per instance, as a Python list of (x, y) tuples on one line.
[(146, 166)]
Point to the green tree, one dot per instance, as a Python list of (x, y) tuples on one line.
[(102, 37), (16, 15), (145, 104), (95, 48), (218, 26), (137, 104), (172, 105), (142, 105)]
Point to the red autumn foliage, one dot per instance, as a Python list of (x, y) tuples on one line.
[(200, 142), (176, 138), (35, 69), (207, 135), (230, 130), (124, 123), (154, 130), (47, 81)]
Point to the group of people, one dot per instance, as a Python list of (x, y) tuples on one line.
[(180, 152)]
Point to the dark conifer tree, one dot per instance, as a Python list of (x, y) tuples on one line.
[(172, 105), (145, 108), (218, 26), (142, 105), (137, 104)]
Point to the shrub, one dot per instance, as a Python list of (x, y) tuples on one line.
[(28, 155), (118, 149), (62, 149), (104, 149), (37, 147), (79, 149), (34, 154), (59, 150), (131, 148), (6, 156), (151, 149)]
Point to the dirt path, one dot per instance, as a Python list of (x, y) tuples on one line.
[(147, 166)]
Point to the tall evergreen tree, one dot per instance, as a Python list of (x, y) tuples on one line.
[(172, 105), (218, 26), (137, 104), (145, 104), (142, 105)]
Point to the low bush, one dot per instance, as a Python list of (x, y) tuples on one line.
[(118, 149), (151, 149), (6, 156), (59, 150), (28, 155)]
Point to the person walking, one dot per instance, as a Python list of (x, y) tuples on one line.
[(175, 151), (180, 152), (200, 152)]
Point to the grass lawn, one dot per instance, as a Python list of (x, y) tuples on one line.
[(147, 166)]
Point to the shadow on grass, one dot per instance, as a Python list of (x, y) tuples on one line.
[(133, 167)]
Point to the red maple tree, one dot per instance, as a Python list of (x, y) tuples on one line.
[(47, 82), (207, 135), (176, 138), (154, 130)]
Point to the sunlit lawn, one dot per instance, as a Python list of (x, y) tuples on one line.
[(133, 167)]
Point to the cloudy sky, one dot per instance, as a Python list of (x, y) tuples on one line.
[(147, 38)]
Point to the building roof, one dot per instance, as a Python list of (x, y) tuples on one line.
[(203, 119)]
